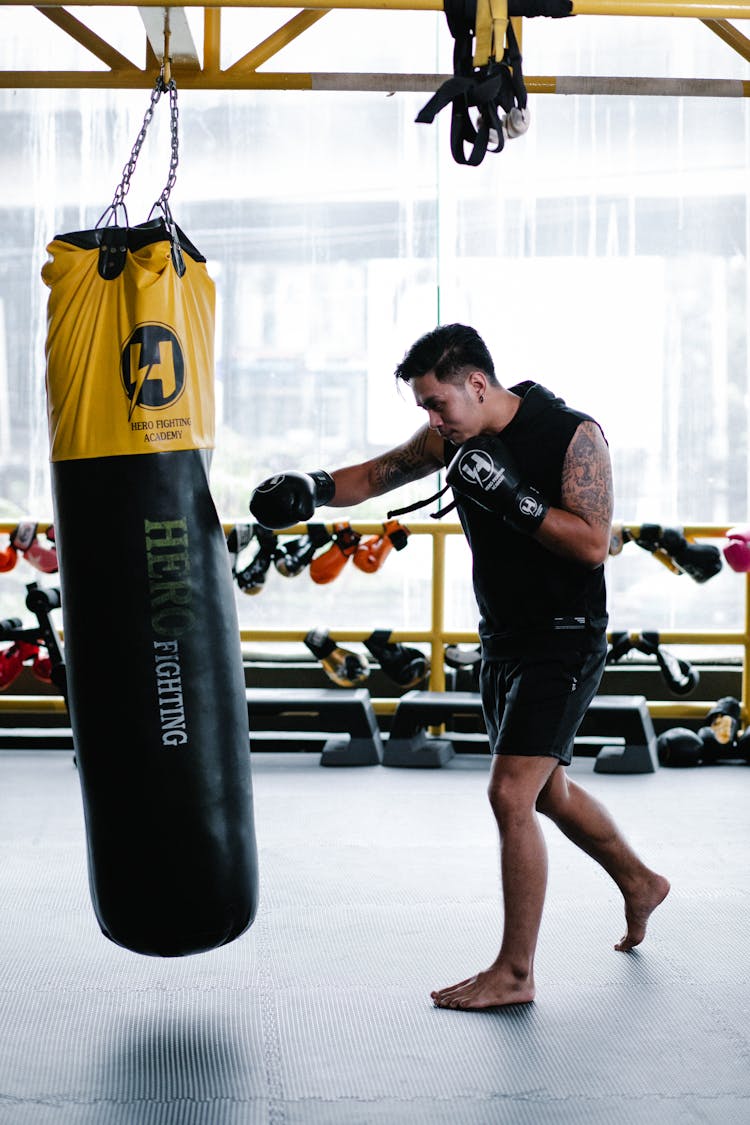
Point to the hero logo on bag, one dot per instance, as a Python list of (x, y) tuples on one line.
[(152, 368), (478, 468)]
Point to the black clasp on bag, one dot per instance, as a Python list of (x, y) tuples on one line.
[(113, 248)]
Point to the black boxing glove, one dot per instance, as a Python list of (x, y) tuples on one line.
[(700, 560), (406, 666), (292, 557), (485, 471), (290, 498)]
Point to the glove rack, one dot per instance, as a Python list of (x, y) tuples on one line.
[(437, 636)]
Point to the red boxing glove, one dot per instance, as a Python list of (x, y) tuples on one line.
[(737, 550), (42, 667), (24, 539), (11, 661)]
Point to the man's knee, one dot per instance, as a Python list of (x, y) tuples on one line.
[(511, 799)]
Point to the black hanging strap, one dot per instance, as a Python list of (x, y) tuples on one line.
[(423, 504), (485, 82)]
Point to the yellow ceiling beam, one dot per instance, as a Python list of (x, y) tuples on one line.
[(132, 79), (83, 35), (736, 40), (699, 9), (212, 40), (277, 41)]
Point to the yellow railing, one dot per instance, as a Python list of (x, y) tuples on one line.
[(437, 636)]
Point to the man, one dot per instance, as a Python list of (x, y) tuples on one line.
[(533, 486)]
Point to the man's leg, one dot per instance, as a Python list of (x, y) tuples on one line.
[(515, 785), (588, 824)]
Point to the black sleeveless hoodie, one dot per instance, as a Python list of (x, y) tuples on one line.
[(528, 597)]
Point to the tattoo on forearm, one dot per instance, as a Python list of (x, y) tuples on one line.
[(408, 462), (587, 476)]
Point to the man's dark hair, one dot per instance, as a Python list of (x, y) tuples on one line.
[(450, 351)]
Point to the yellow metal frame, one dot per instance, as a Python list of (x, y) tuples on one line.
[(168, 41), (437, 636)]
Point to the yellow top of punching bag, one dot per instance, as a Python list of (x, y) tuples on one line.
[(130, 364)]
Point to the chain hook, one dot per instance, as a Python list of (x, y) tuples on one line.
[(166, 60)]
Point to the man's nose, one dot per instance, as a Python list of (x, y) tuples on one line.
[(433, 420)]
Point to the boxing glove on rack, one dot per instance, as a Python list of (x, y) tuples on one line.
[(8, 558), (238, 538), (680, 675), (737, 549), (24, 539), (406, 666), (291, 498), (292, 557), (12, 660), (371, 553), (700, 560), (484, 470), (252, 579), (344, 667), (329, 564), (680, 555)]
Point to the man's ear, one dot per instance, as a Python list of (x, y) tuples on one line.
[(477, 383)]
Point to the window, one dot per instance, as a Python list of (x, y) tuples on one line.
[(604, 254)]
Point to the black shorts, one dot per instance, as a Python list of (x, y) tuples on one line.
[(534, 704)]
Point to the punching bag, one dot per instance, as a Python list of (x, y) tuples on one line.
[(156, 688)]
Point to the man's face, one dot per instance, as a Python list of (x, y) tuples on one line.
[(451, 408)]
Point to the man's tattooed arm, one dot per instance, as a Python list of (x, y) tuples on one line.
[(416, 458), (580, 528), (587, 477), (410, 461)]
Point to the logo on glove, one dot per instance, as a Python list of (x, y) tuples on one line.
[(271, 483), (528, 506), (478, 468), (152, 368)]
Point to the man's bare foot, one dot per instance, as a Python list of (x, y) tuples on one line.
[(491, 989), (639, 905)]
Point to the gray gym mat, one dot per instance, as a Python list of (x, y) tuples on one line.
[(377, 886)]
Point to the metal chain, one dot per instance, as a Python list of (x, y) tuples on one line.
[(174, 113), (122, 189)]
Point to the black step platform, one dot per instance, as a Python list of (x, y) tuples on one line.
[(622, 717), (328, 710)]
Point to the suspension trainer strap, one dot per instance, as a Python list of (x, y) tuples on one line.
[(487, 76)]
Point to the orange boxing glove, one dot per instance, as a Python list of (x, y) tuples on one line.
[(8, 558), (329, 564), (372, 553)]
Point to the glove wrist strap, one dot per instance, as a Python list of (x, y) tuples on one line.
[(529, 509), (325, 488)]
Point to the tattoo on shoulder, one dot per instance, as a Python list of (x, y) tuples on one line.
[(587, 476), (408, 462)]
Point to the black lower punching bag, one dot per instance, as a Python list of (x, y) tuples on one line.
[(156, 687)]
